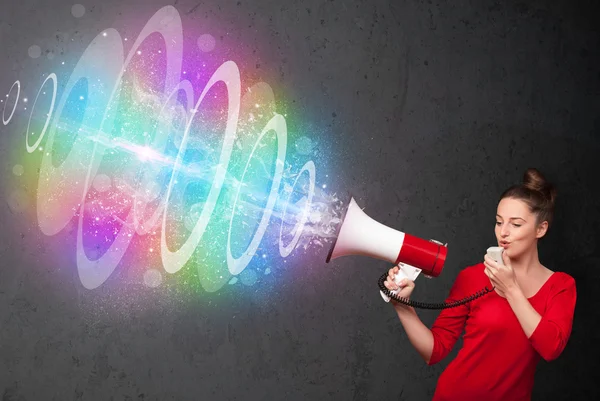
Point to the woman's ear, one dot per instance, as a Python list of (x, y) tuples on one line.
[(541, 230)]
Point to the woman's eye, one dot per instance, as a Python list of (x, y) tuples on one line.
[(498, 223), (517, 225)]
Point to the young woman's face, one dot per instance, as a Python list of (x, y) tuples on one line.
[(516, 228)]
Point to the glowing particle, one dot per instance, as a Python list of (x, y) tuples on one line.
[(267, 271), (151, 249), (25, 100), (152, 278), (80, 97), (324, 186), (104, 34), (18, 170), (77, 10), (233, 280), (34, 51), (145, 153), (206, 43), (139, 52)]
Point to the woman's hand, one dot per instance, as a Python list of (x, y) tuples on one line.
[(502, 277), (406, 285)]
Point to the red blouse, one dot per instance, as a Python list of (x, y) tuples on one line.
[(497, 360)]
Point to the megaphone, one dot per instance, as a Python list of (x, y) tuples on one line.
[(359, 234)]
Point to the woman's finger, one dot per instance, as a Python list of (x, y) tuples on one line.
[(391, 284)]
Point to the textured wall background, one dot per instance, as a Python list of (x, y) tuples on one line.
[(430, 109)]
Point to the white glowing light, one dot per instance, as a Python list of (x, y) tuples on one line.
[(145, 153)]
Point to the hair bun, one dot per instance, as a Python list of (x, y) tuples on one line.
[(535, 181)]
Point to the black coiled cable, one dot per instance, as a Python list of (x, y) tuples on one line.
[(424, 305)]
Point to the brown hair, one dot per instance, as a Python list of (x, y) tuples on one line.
[(537, 193)]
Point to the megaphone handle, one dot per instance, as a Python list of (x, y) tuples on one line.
[(401, 275)]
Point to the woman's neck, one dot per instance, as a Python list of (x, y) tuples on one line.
[(526, 263)]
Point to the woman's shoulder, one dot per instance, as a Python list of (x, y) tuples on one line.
[(473, 270), (562, 280), (473, 274)]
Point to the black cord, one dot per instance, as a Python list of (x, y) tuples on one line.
[(424, 305)]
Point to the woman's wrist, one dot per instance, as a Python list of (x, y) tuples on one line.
[(514, 293), (402, 309)]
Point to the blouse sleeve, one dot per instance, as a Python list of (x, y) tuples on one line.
[(450, 322), (552, 333)]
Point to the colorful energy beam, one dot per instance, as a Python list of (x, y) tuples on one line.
[(147, 166)]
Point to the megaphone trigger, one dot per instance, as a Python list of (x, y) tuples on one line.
[(404, 272)]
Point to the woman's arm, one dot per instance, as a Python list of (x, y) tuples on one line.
[(547, 333), (553, 329), (418, 334), (436, 343), (526, 314)]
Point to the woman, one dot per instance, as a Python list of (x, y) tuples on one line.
[(528, 316)]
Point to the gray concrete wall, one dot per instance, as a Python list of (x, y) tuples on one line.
[(425, 111)]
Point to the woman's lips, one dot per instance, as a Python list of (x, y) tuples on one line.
[(504, 244)]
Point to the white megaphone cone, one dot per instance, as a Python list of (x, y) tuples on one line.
[(361, 235)]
